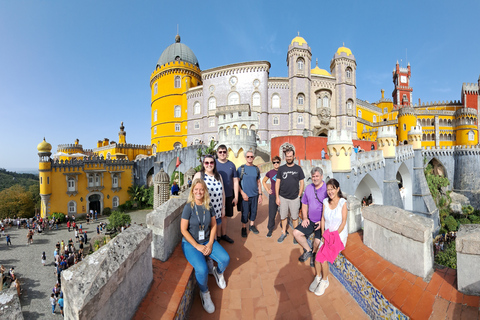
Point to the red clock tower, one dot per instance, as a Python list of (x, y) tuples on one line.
[(402, 94)]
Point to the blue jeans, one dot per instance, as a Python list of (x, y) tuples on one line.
[(199, 262), (249, 206), (53, 308)]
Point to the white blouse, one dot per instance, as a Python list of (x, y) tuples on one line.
[(333, 219)]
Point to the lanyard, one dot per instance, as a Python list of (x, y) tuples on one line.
[(316, 196), (200, 224)]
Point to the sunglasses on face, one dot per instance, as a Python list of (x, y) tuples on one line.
[(221, 152), (209, 163), (276, 162), (249, 156)]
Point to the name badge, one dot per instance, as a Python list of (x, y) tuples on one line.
[(201, 235)]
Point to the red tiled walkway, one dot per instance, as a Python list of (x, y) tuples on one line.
[(436, 299)]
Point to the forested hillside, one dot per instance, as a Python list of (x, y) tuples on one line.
[(8, 179)]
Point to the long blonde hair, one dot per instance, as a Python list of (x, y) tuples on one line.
[(206, 196)]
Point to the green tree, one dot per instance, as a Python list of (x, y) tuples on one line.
[(203, 151), (448, 257), (118, 219), (139, 195), (435, 182), (451, 223), (16, 201)]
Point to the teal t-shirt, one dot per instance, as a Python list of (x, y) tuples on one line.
[(249, 182)]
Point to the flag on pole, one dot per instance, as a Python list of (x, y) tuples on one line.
[(178, 161)]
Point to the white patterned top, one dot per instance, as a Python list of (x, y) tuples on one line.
[(333, 219), (215, 191)]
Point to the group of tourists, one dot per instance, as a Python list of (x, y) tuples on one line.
[(219, 186)]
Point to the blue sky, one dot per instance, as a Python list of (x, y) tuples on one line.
[(76, 69)]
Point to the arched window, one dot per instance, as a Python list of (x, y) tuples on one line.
[(349, 104), (233, 98), (275, 120), (197, 125), (115, 202), (348, 73), (404, 127), (71, 184), (326, 102), (154, 130), (72, 207), (177, 145), (275, 101), (154, 149), (109, 156), (256, 99), (115, 181), (177, 127), (300, 99), (155, 115), (178, 83), (155, 88), (359, 113), (196, 108), (300, 64), (374, 119), (300, 119), (212, 103), (471, 136), (178, 112)]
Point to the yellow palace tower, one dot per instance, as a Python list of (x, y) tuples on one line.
[(177, 71)]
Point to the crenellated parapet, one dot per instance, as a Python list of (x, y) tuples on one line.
[(406, 111), (244, 139), (466, 112), (387, 140), (438, 104), (123, 145), (403, 153), (470, 88), (467, 150), (340, 147), (367, 161), (415, 137), (86, 162), (451, 151)]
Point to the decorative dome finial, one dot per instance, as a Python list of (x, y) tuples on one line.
[(177, 38)]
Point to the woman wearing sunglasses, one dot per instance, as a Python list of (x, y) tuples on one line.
[(214, 183), (272, 204), (198, 227)]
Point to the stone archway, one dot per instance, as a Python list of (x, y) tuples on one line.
[(405, 185), (369, 187), (95, 202)]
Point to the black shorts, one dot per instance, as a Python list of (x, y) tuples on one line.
[(229, 206), (309, 230)]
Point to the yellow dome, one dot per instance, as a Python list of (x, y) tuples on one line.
[(44, 146), (320, 72), (299, 40), (344, 49)]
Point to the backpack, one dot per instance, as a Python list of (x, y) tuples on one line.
[(242, 173)]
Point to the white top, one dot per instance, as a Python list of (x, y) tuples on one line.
[(215, 191), (333, 219)]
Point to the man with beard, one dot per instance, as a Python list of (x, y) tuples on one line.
[(289, 188)]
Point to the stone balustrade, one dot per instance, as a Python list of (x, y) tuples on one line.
[(10, 308), (111, 282), (468, 259), (164, 222), (401, 237)]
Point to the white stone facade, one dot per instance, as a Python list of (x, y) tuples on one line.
[(243, 95)]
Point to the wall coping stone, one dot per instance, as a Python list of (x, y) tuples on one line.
[(90, 284), (10, 308), (468, 239), (400, 221)]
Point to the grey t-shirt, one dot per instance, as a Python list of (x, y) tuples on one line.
[(193, 222)]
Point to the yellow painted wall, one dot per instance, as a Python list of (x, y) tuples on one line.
[(167, 98), (59, 199), (405, 124)]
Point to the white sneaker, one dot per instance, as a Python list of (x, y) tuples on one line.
[(210, 265), (220, 279), (207, 302), (321, 287), (315, 283)]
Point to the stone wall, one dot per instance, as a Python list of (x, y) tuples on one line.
[(468, 259), (401, 237), (110, 283), (165, 225), (10, 308)]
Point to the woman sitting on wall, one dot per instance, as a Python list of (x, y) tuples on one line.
[(198, 227), (334, 235)]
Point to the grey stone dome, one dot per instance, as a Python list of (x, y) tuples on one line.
[(162, 177), (177, 52)]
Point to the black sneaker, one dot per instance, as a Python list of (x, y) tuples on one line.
[(227, 238), (253, 229), (244, 232), (312, 260), (269, 234), (219, 238), (282, 237), (305, 256)]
